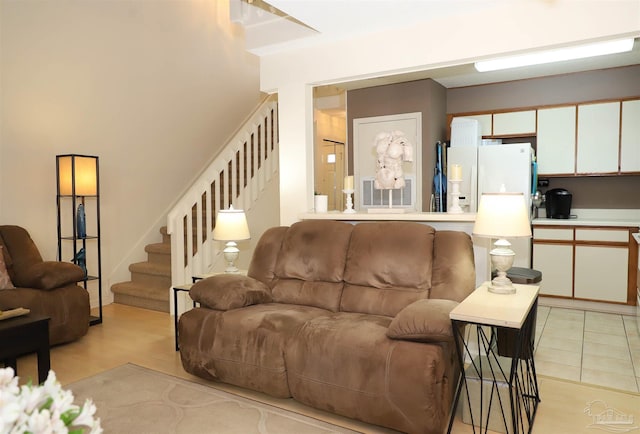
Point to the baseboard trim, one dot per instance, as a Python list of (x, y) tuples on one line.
[(593, 306)]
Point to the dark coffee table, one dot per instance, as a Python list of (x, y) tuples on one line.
[(25, 335)]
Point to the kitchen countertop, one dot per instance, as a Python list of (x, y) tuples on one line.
[(596, 217), (408, 216), (621, 218), (586, 222)]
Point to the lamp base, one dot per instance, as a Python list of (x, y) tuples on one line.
[(231, 253), (501, 287), (502, 259)]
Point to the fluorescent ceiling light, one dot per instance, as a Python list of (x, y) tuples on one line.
[(557, 55)]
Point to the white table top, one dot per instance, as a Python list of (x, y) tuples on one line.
[(504, 310)]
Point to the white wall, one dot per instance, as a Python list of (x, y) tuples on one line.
[(509, 26), (295, 120), (329, 178), (153, 88)]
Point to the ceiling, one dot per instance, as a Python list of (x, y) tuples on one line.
[(278, 25)]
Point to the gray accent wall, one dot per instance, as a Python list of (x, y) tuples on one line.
[(603, 84), (425, 96)]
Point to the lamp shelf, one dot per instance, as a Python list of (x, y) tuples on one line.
[(88, 237), (90, 278), (78, 183)]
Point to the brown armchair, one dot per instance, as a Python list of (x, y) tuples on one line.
[(45, 287)]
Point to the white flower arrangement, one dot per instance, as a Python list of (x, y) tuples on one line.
[(44, 409)]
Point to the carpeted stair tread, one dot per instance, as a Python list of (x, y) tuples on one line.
[(150, 280), (141, 295), (158, 248), (141, 290), (166, 238), (152, 268)]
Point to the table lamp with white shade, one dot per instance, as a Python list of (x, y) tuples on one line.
[(502, 215), (231, 226)]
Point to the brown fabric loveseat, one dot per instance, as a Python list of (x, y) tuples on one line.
[(352, 319), (45, 287)]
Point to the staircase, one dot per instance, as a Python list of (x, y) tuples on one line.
[(235, 177), (149, 280)]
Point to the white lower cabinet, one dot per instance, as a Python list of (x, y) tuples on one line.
[(601, 273), (586, 263), (555, 261)]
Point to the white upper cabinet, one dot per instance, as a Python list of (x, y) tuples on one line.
[(579, 139), (630, 137), (598, 137), (514, 123), (485, 122), (556, 140)]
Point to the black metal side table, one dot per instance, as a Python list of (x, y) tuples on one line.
[(508, 392), (176, 289)]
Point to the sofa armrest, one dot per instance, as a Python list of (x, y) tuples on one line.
[(229, 291), (48, 275), (424, 320)]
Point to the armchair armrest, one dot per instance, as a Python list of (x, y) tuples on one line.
[(230, 291), (48, 275), (424, 320)]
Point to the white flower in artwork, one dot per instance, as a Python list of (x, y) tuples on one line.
[(392, 148)]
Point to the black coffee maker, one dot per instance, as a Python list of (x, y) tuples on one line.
[(558, 203)]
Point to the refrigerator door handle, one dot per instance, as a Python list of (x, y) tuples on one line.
[(474, 189)]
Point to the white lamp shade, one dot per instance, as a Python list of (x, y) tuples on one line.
[(231, 225), (78, 170), (502, 215)]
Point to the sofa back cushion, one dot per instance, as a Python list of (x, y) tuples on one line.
[(263, 261), (389, 265), (310, 265), (22, 251), (454, 273)]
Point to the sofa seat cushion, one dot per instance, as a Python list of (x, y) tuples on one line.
[(346, 364), (243, 346)]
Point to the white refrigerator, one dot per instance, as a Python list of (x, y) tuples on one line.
[(489, 169)]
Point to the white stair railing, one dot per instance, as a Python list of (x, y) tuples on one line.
[(235, 177)]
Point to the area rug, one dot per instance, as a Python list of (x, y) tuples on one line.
[(133, 399)]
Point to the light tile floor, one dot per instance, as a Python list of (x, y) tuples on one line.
[(590, 347)]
